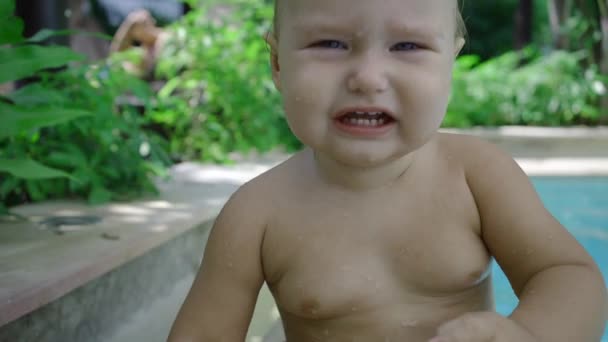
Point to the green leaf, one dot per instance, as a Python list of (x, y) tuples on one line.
[(7, 8), (65, 160), (29, 169), (15, 119), (11, 30), (33, 189), (23, 61), (11, 27), (45, 34), (99, 195), (37, 94), (8, 185)]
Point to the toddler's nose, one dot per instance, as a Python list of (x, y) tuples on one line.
[(367, 77)]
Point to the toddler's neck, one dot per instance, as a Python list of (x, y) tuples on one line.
[(361, 178)]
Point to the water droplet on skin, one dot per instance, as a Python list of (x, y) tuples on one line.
[(230, 265), (326, 332), (409, 323), (353, 309)]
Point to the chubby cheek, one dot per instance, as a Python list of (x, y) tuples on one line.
[(306, 101), (425, 102)]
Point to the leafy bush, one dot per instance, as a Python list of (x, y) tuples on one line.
[(219, 96), (63, 134), (551, 90)]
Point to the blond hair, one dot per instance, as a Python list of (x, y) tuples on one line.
[(461, 28)]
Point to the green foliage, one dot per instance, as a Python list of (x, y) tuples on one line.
[(10, 26), (551, 90), (20, 118), (582, 31), (490, 26), (64, 134), (22, 61), (220, 96), (29, 169)]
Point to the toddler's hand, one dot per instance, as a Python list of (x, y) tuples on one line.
[(481, 327)]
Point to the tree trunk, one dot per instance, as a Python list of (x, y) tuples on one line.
[(523, 24), (558, 13)]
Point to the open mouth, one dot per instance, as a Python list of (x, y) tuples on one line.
[(366, 119), (365, 122)]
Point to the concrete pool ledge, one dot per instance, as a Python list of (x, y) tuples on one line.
[(70, 283), (545, 142)]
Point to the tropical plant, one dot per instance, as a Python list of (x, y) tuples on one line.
[(551, 90), (219, 96), (62, 133)]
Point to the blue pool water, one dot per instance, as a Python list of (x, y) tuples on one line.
[(581, 205)]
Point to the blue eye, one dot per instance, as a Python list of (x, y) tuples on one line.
[(330, 44), (405, 46)]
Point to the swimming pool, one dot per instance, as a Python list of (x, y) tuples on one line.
[(581, 205)]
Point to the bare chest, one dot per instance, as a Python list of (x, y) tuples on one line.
[(335, 256)]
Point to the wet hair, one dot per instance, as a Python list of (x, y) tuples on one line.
[(461, 29)]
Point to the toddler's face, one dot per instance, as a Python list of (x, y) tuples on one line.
[(365, 81)]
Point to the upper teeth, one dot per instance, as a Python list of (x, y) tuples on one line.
[(368, 113)]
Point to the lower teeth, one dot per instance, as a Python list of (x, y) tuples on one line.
[(364, 122)]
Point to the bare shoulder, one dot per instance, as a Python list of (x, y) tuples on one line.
[(491, 173), (256, 198), (473, 152)]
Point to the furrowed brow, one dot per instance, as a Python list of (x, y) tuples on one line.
[(314, 25), (416, 30)]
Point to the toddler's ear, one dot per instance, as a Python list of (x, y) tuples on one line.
[(274, 59), (458, 46)]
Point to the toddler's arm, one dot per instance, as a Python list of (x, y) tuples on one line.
[(220, 303), (561, 290)]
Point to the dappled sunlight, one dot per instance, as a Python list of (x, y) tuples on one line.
[(191, 172), (159, 228), (215, 202), (158, 205), (123, 209), (134, 219)]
